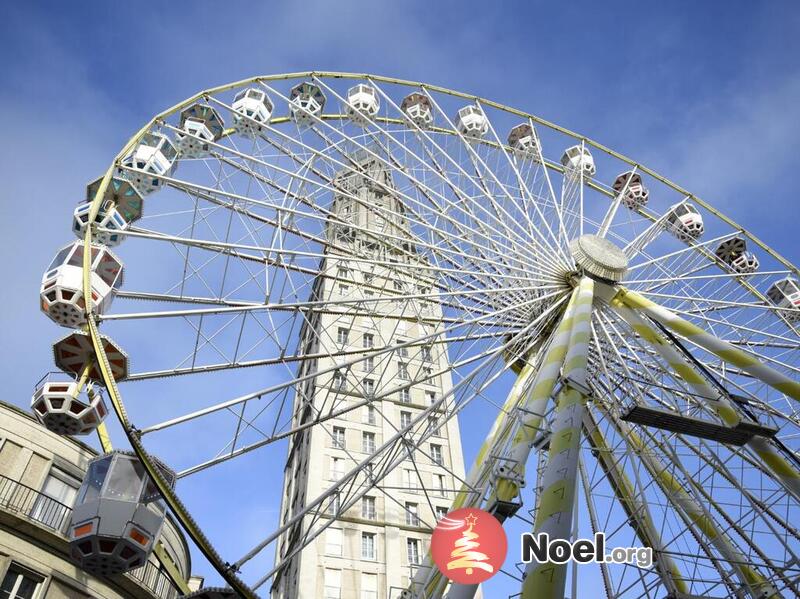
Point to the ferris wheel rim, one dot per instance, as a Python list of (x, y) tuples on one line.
[(172, 498)]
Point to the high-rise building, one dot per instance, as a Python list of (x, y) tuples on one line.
[(368, 280)]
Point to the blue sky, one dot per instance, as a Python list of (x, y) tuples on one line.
[(704, 92)]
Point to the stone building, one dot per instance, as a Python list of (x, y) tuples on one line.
[(40, 473)]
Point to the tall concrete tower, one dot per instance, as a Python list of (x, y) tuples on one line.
[(372, 548)]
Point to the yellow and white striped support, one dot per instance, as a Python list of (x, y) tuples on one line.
[(679, 498), (532, 410), (557, 496), (722, 406), (538, 387), (727, 352), (634, 507)]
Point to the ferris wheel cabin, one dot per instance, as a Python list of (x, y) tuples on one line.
[(118, 514), (733, 252), (523, 142), (471, 122), (61, 292), (153, 158), (636, 194), (306, 103), (200, 124), (252, 110), (61, 407), (362, 104), (121, 206), (417, 107), (577, 160), (685, 222), (785, 294)]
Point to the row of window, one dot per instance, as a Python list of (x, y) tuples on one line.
[(369, 547), (368, 342), (368, 446), (369, 511), (368, 384), (333, 585), (411, 480)]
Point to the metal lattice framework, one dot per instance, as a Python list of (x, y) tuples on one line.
[(220, 282)]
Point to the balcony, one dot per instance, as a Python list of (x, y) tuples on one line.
[(29, 504)]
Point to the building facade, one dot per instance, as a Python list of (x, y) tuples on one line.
[(366, 277), (40, 473)]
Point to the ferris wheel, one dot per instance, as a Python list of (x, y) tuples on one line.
[(638, 350)]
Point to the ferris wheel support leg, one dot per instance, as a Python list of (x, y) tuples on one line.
[(537, 386), (696, 515), (636, 509), (559, 480), (720, 348), (763, 448)]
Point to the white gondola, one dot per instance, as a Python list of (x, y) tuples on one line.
[(74, 354), (733, 252), (417, 107), (685, 222), (61, 293), (636, 194), (362, 104), (471, 122), (306, 102), (524, 142), (200, 124), (577, 160), (121, 205), (785, 294), (62, 408), (118, 514), (252, 110), (153, 157)]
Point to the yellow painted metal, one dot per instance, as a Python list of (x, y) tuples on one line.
[(172, 570)]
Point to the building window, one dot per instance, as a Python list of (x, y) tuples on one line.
[(368, 363), (369, 415), (368, 340), (368, 442), (405, 395), (344, 289), (427, 354), (438, 480), (368, 546), (412, 550), (334, 504), (344, 273), (405, 419), (337, 468), (431, 397), (338, 380), (369, 586), (402, 351), (338, 437), (402, 371), (20, 583), (52, 506), (369, 387), (410, 479), (368, 508), (441, 512), (436, 454), (412, 514), (342, 335), (333, 541), (433, 425), (368, 277), (427, 374), (333, 584)]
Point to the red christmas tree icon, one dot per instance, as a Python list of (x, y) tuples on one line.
[(465, 554)]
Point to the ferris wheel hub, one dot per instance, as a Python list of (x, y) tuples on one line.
[(600, 258)]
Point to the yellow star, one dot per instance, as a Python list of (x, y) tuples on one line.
[(471, 520)]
